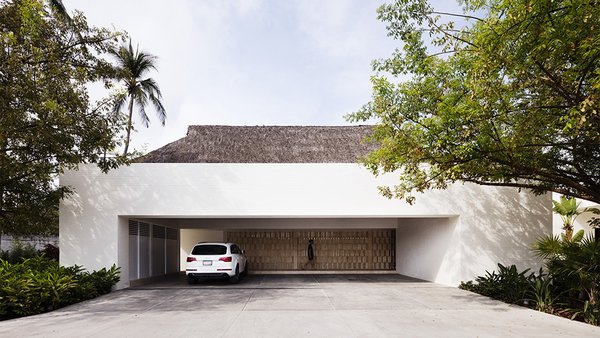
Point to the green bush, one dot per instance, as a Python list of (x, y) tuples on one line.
[(575, 265), (50, 251), (94, 284), (590, 313), (38, 285), (18, 252), (570, 287), (539, 291), (508, 284), (544, 292)]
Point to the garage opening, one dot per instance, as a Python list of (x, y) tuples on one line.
[(418, 247)]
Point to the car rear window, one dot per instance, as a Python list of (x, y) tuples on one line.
[(209, 250)]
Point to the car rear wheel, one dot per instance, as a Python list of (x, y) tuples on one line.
[(235, 278), (245, 272), (192, 280)]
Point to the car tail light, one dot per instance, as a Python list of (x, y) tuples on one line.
[(191, 259), (225, 259)]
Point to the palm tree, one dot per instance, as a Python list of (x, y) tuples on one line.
[(568, 209), (576, 260), (132, 67)]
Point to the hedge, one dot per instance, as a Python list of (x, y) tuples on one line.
[(38, 285)]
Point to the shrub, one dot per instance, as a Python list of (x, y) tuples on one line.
[(50, 251), (544, 293), (18, 252), (570, 287), (94, 284), (508, 284), (576, 264), (38, 284), (590, 313)]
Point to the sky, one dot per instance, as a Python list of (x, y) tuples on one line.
[(250, 62)]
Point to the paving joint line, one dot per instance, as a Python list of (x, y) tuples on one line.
[(242, 310)]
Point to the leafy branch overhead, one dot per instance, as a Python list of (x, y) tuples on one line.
[(505, 93)]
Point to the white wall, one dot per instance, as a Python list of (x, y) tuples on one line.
[(429, 249), (189, 237), (288, 223), (494, 224)]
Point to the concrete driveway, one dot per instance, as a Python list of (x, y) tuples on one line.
[(296, 306)]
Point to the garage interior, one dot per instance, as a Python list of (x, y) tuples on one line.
[(287, 250), (159, 246)]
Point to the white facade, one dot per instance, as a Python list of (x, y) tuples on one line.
[(447, 236)]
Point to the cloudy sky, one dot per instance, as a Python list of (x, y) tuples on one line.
[(250, 62)]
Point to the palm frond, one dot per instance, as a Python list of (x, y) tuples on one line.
[(578, 236), (143, 116), (144, 63), (119, 102), (160, 109), (151, 87), (548, 246), (141, 99)]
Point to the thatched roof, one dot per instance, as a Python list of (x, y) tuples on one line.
[(266, 144)]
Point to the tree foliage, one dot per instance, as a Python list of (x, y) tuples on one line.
[(505, 93), (47, 122)]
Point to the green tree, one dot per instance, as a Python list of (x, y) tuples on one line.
[(47, 122), (506, 93), (132, 67)]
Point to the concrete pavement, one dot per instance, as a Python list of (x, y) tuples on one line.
[(296, 306)]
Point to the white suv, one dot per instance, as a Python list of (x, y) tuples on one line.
[(214, 260)]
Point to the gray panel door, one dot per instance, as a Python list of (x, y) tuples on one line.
[(144, 250), (133, 250)]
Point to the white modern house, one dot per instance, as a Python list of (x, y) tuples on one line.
[(271, 189)]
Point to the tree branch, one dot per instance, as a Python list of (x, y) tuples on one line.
[(465, 16)]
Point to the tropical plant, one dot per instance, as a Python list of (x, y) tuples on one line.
[(589, 312), (568, 209), (38, 285), (544, 294), (132, 68), (50, 252), (578, 259), (502, 93), (569, 286), (508, 284)]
